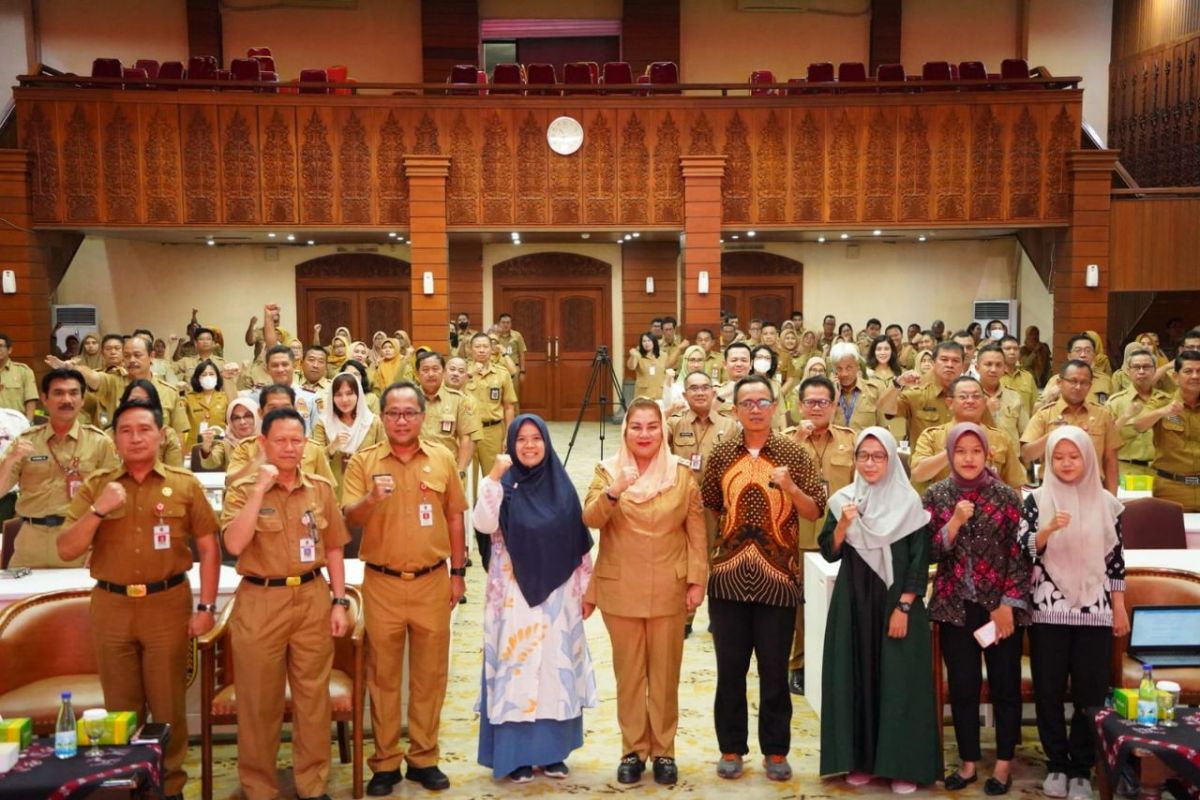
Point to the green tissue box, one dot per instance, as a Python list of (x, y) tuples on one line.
[(118, 727), (17, 729)]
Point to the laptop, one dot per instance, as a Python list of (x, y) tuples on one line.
[(1166, 636)]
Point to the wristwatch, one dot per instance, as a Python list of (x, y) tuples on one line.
[(458, 572), (344, 602), (95, 511), (210, 608), (462, 473), (904, 607)]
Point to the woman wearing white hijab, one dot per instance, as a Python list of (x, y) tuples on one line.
[(877, 708), (1072, 530), (346, 425), (242, 422)]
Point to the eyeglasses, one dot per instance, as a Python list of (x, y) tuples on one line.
[(974, 396), (1141, 367), (407, 416), (761, 403), (700, 387), (242, 417), (871, 458), (816, 402)]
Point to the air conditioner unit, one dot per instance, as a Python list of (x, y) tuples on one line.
[(984, 311), (76, 320)]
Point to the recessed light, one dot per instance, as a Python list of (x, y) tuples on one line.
[(628, 237), (877, 232), (636, 234), (845, 236), (210, 243), (291, 237), (311, 242), (722, 241), (515, 235), (734, 237), (821, 239), (920, 238), (750, 233), (270, 236), (585, 236), (392, 235)]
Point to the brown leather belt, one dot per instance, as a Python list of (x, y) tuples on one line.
[(1186, 480), (404, 576), (49, 522), (492, 422), (142, 589), (291, 580), (1135, 462)]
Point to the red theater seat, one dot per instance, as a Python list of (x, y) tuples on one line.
[(666, 73), (170, 71), (107, 68), (254, 52), (821, 72), (339, 73), (1014, 69), (150, 65), (890, 72), (617, 73), (265, 63), (313, 76), (202, 68), (542, 74), (760, 76), (852, 72), (245, 69), (508, 75), (135, 78), (577, 73), (972, 71), (936, 71)]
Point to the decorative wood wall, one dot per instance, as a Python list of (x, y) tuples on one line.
[(1154, 244), (210, 159)]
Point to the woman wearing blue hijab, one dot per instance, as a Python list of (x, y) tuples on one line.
[(537, 672)]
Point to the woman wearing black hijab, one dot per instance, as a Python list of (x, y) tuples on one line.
[(537, 672)]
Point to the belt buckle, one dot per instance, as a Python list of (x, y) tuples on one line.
[(408, 576), (292, 580), (1191, 480), (135, 590)]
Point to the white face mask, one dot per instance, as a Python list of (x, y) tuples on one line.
[(762, 365), (996, 335), (208, 382)]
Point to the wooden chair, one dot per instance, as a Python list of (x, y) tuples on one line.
[(1157, 586), (1151, 523), (46, 649), (347, 686)]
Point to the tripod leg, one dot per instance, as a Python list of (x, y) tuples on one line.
[(587, 393)]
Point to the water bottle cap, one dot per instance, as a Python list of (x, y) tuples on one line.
[(1146, 666), (66, 695)]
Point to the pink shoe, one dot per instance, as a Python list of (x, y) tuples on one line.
[(903, 787), (858, 779)]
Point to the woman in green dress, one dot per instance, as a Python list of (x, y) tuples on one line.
[(877, 708)]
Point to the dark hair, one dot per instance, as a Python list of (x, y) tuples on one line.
[(361, 369), (196, 333), (133, 405), (144, 332), (759, 320), (1186, 355), (1075, 362), (1008, 337), (828, 318), (4, 337), (425, 355), (819, 381), (845, 325), (108, 337), (774, 358), (796, 311), (1079, 337), (873, 321), (1003, 324), (504, 315), (275, 388), (64, 374), (950, 347), (316, 347), (659, 320), (972, 327), (1137, 353), (199, 370), (705, 330), (893, 361), (653, 339), (698, 372), (1194, 333), (276, 350), (401, 386), (477, 336), (929, 332), (991, 347), (148, 387), (671, 320), (962, 379), (337, 381), (752, 379), (276, 414), (962, 334), (734, 345), (894, 325)]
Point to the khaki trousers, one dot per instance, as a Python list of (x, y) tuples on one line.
[(281, 639), (647, 653), (487, 448), (400, 612), (142, 648), (1186, 496), (36, 546)]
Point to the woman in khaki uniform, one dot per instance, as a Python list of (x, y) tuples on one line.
[(346, 426), (241, 424), (647, 364), (205, 402), (650, 572)]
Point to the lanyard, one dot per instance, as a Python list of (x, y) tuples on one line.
[(848, 409)]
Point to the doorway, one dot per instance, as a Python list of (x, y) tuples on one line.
[(365, 292), (756, 285), (560, 302)]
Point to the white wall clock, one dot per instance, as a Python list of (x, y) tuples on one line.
[(564, 135)]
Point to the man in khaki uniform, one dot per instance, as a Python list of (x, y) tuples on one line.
[(458, 372), (137, 520), (857, 404), (449, 415), (1006, 406), (831, 447), (737, 366), (491, 389), (672, 344), (513, 346), (257, 337), (248, 456), (906, 354), (923, 405), (1176, 427), (408, 499), (1073, 408), (205, 351), (1136, 453), (714, 362), (461, 336), (1017, 377), (112, 353), (284, 526), (930, 463), (1080, 348), (18, 389), (50, 463)]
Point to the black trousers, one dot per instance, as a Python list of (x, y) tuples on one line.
[(740, 629), (483, 542), (964, 675), (1082, 654)]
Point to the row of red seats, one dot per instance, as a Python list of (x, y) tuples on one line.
[(854, 72), (575, 74), (259, 65)]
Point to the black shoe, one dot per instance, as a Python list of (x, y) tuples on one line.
[(630, 769), (687, 630), (796, 681), (462, 601), (382, 782), (431, 778), (995, 788), (665, 771), (954, 781)]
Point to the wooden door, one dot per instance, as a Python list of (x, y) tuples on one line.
[(531, 313), (363, 291), (768, 303), (579, 332), (758, 285)]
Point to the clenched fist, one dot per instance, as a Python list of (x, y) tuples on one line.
[(111, 497)]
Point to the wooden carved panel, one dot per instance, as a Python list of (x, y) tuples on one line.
[(40, 141), (880, 172), (736, 183), (279, 165), (120, 153), (951, 175), (565, 184), (599, 171), (532, 153), (529, 316), (462, 191), (239, 162), (316, 167), (634, 172), (390, 174), (1025, 168), (702, 143), (771, 171), (160, 156), (914, 168), (987, 164), (200, 165), (1063, 134), (843, 169), (551, 266), (354, 172), (497, 172), (81, 164), (808, 167), (668, 178), (427, 137)]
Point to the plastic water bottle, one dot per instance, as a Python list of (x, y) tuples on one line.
[(1147, 705), (66, 743)]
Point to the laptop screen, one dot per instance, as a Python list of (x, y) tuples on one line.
[(1165, 626)]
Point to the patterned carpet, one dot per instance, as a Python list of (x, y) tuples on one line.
[(593, 768)]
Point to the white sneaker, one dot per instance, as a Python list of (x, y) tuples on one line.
[(1055, 785), (1080, 789), (903, 787)]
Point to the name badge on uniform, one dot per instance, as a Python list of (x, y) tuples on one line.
[(697, 460), (39, 458), (494, 393), (1101, 398), (716, 372), (651, 370), (448, 426), (203, 427), (425, 515), (308, 550), (73, 487), (162, 536), (508, 350), (685, 435)]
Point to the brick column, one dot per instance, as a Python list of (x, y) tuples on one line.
[(25, 316), (1077, 307), (702, 241), (430, 248)]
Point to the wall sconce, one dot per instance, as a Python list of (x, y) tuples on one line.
[(427, 283), (649, 284), (702, 282)]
